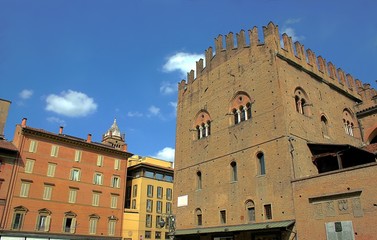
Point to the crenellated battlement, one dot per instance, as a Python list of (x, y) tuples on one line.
[(284, 48)]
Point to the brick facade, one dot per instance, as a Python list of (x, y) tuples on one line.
[(65, 187), (240, 162)]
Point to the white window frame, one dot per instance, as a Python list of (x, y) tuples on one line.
[(98, 178), (99, 160), (78, 155), (96, 199), (114, 201), (115, 182), (93, 223), (72, 195), (54, 151), (43, 222), (29, 165), (75, 174), (25, 188), (51, 168), (33, 146), (47, 192), (112, 227), (117, 164)]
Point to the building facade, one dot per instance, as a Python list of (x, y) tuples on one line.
[(149, 196), (64, 187), (270, 145), (8, 156)]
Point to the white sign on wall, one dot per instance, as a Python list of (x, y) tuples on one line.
[(182, 201)]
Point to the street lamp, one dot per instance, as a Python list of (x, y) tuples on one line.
[(170, 220)]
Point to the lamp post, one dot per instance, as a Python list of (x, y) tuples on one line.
[(170, 220)]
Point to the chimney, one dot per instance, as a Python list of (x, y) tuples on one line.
[(89, 139), (23, 123), (61, 130)]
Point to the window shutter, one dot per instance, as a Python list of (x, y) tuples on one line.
[(73, 225), (47, 224)]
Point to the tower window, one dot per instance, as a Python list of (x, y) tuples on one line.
[(250, 210), (241, 108), (199, 219), (223, 216), (267, 211), (199, 180), (302, 102), (233, 166), (261, 164)]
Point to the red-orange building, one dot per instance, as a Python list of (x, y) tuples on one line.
[(65, 187)]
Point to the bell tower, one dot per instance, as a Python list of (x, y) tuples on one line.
[(113, 137)]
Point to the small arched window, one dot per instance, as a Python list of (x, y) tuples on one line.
[(250, 210), (198, 180), (302, 102), (241, 108), (233, 166), (202, 125), (324, 126), (348, 122), (199, 217), (261, 164)]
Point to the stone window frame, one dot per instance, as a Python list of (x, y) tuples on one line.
[(202, 125), (43, 220), (250, 210), (18, 219), (198, 217), (325, 126), (241, 108), (199, 180), (261, 163), (302, 102), (71, 216), (233, 171), (349, 122)]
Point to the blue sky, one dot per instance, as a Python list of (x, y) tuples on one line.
[(82, 63)]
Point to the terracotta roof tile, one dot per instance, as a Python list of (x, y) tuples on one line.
[(7, 145)]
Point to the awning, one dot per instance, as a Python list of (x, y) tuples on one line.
[(235, 228), (355, 154)]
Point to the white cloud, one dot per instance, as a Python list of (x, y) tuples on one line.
[(61, 122), (174, 106), (153, 110), (134, 114), (71, 104), (292, 33), (26, 94), (167, 88), (182, 62), (166, 153), (292, 20)]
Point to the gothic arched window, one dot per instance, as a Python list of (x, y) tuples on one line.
[(202, 124), (302, 102), (348, 122), (241, 108)]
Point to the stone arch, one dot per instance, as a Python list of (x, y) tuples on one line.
[(202, 124), (240, 107), (302, 102)]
